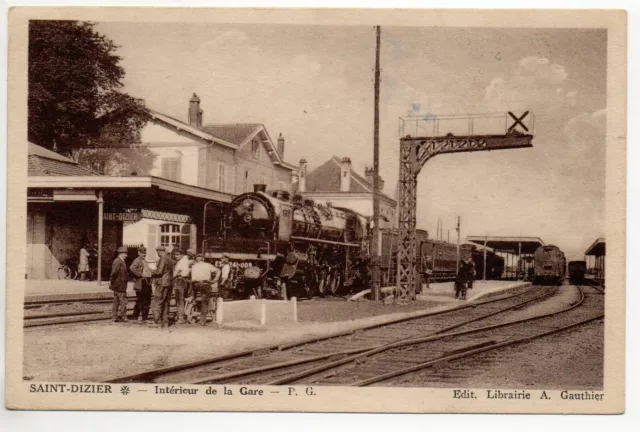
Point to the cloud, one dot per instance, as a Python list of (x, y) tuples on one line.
[(533, 82), (540, 68)]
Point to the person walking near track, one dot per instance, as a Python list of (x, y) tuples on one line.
[(205, 280), (118, 284), (164, 285), (142, 285), (181, 274)]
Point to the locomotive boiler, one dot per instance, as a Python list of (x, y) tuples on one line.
[(281, 246)]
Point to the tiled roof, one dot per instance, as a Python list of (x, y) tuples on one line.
[(37, 150), (201, 133), (44, 166), (326, 178), (234, 133)]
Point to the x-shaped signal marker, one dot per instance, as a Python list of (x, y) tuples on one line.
[(518, 121)]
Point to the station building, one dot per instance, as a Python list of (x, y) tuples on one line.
[(336, 183), (595, 258), (227, 158), (198, 170), (69, 206)]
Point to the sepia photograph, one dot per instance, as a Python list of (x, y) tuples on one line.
[(246, 207)]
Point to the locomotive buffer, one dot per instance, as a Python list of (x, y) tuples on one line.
[(426, 142)]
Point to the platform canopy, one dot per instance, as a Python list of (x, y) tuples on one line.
[(153, 193), (513, 245), (598, 248)]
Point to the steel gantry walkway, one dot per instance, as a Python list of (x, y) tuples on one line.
[(434, 135)]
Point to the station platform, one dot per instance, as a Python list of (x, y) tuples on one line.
[(444, 292), (55, 289)]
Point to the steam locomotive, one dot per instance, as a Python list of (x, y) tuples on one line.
[(280, 247), (550, 265)]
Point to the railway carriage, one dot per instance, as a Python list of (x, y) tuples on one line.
[(549, 266), (437, 258), (577, 271)]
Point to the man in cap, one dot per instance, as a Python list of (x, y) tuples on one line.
[(142, 284), (118, 284), (205, 280), (225, 269), (181, 273), (164, 284), (191, 255)]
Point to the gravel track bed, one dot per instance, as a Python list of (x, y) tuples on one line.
[(570, 360)]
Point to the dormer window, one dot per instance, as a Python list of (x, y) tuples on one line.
[(255, 148)]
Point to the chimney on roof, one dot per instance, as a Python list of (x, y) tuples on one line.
[(302, 176), (281, 146), (368, 174), (345, 175), (195, 113)]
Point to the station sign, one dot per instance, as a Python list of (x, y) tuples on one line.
[(74, 195), (122, 217)]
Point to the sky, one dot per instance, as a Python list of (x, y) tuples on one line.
[(314, 84)]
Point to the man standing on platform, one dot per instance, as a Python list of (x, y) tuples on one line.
[(142, 285), (225, 274), (164, 285), (181, 273), (205, 280), (118, 284)]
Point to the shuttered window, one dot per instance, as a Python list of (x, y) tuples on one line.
[(171, 168), (221, 177)]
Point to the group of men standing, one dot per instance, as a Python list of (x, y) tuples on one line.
[(178, 273)]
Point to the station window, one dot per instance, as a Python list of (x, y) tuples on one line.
[(221, 177), (171, 168), (170, 235)]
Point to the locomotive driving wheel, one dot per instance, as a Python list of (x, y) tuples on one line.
[(323, 282), (335, 283)]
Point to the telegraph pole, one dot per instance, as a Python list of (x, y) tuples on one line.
[(458, 245), (375, 246)]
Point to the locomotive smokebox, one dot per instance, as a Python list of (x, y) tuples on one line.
[(259, 187)]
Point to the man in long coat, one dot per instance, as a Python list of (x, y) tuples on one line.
[(142, 284), (118, 284), (164, 273)]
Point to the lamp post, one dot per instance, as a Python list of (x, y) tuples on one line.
[(204, 223)]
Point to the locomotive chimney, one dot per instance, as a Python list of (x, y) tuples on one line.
[(302, 176), (281, 146), (345, 175), (259, 187)]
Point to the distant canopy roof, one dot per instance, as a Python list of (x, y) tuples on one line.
[(598, 248), (525, 245)]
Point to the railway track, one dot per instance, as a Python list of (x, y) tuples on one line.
[(295, 362)]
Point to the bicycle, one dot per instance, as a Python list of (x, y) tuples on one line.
[(67, 272), (193, 304)]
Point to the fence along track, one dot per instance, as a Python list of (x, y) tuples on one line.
[(338, 345)]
